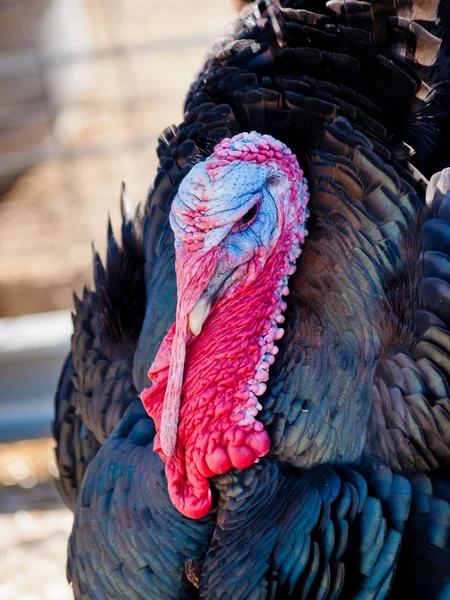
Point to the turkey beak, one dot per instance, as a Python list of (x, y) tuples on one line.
[(198, 315)]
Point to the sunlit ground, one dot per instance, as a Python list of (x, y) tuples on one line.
[(34, 524)]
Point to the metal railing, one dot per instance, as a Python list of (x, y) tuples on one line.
[(32, 351)]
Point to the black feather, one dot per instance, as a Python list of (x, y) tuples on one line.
[(353, 500)]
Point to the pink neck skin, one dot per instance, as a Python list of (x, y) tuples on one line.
[(226, 368)]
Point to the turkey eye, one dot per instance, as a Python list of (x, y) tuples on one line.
[(249, 214)]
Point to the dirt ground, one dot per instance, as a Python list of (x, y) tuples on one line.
[(144, 54), (35, 524)]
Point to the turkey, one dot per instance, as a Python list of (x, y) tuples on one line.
[(256, 403)]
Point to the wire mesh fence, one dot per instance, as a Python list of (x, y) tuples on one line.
[(85, 89)]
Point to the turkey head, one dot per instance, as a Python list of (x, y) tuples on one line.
[(239, 220)]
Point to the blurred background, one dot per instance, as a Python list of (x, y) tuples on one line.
[(85, 89)]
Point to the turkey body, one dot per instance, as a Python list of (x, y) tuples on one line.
[(353, 499)]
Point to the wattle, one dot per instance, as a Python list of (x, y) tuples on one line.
[(219, 364)]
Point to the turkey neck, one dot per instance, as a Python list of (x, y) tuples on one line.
[(225, 371)]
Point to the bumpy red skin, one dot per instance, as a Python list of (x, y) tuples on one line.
[(221, 361)]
